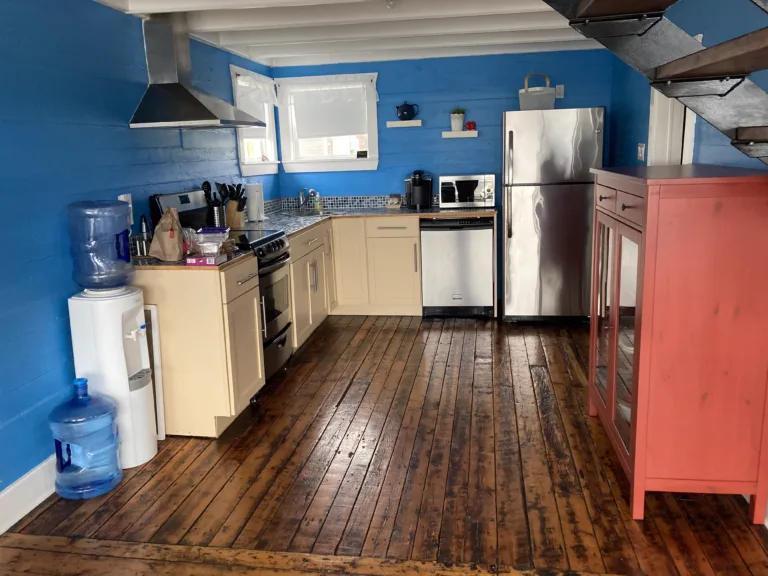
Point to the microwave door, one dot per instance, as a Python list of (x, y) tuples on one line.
[(467, 190)]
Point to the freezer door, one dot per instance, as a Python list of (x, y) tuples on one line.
[(547, 250), (552, 146), (457, 268)]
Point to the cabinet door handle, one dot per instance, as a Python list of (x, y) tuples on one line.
[(392, 227), (415, 257), (247, 278), (264, 317), (312, 241)]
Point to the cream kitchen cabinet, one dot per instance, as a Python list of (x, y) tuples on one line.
[(310, 306), (376, 262), (210, 342), (394, 278), (329, 270), (350, 263)]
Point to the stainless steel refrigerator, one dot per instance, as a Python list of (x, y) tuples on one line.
[(547, 198)]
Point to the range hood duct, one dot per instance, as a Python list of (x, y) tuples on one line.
[(171, 101)]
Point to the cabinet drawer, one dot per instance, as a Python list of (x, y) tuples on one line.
[(239, 279), (302, 244), (392, 227), (630, 207), (605, 197)]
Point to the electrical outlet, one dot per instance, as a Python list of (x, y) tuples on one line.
[(641, 152), (560, 91), (127, 198)]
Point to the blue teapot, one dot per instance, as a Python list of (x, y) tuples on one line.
[(407, 111)]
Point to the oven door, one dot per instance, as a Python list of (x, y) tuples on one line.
[(275, 288)]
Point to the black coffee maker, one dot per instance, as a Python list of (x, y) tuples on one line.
[(418, 190)]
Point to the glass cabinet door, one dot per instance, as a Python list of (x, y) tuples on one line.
[(605, 237), (626, 360)]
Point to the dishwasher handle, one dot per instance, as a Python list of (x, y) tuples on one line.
[(435, 224)]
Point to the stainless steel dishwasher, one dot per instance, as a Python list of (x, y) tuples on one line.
[(457, 266)]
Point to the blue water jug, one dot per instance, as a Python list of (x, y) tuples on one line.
[(85, 434), (101, 252)]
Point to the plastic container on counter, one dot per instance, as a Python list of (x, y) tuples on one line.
[(99, 245), (86, 440)]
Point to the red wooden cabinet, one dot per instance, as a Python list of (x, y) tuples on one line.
[(678, 366)]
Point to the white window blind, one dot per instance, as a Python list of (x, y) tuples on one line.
[(328, 122), (330, 111)]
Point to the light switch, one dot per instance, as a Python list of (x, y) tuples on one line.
[(641, 152), (560, 91), (127, 198)]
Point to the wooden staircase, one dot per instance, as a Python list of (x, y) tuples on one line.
[(713, 82)]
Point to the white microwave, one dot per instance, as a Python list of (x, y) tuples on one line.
[(475, 191)]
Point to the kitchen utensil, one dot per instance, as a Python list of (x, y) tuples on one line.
[(231, 192), (241, 204), (219, 216), (215, 202), (407, 111), (206, 187), (240, 191)]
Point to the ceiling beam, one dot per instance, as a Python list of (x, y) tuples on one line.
[(271, 18), (415, 54), (399, 29), (414, 42), (160, 6)]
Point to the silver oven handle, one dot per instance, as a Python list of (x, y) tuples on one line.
[(264, 317), (247, 278), (267, 270)]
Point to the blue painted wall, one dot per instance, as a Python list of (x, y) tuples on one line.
[(485, 86), (630, 113), (64, 112), (720, 21)]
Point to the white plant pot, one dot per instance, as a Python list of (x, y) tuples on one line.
[(457, 122)]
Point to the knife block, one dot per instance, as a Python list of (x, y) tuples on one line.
[(235, 219)]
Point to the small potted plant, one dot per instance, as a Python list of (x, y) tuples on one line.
[(457, 119)]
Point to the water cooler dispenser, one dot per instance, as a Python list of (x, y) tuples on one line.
[(109, 338)]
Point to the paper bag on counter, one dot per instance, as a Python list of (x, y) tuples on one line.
[(167, 244)]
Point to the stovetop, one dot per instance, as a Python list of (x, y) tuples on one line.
[(269, 246), (252, 239)]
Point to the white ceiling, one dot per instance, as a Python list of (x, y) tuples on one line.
[(295, 32)]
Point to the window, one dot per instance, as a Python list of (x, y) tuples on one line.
[(255, 94), (328, 123)]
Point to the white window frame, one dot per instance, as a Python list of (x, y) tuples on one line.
[(287, 129), (257, 168)]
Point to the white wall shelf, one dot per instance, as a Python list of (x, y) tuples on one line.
[(403, 123), (460, 134)]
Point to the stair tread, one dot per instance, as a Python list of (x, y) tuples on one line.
[(603, 8), (752, 134), (737, 57)]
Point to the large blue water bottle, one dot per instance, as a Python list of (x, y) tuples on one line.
[(98, 235), (85, 434)]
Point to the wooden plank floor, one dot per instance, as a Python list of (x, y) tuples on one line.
[(423, 445)]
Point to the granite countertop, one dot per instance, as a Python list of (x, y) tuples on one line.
[(292, 223)]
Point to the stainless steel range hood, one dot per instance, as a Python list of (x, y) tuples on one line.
[(170, 100)]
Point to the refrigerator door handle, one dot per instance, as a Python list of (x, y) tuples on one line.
[(508, 158)]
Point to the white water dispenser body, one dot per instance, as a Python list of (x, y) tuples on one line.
[(109, 342)]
